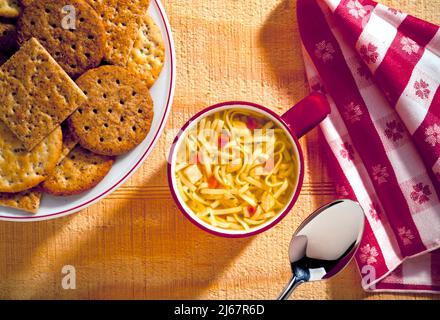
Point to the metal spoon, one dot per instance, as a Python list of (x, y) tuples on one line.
[(324, 243)]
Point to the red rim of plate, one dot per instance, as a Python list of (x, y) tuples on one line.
[(280, 216), (143, 157)]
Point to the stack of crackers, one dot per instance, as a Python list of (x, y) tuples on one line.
[(74, 92)]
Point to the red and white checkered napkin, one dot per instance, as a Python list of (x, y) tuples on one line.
[(380, 69)]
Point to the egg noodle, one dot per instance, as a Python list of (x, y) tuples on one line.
[(236, 169)]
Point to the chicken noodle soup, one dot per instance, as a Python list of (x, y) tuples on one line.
[(236, 169)]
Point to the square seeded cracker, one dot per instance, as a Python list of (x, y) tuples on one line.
[(28, 200), (36, 94), (122, 20), (9, 8)]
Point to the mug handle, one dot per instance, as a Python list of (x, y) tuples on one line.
[(307, 114)]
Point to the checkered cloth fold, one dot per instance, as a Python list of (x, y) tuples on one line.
[(380, 69)]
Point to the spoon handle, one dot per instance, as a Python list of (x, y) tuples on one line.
[(294, 282)]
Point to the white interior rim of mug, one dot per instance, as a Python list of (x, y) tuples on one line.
[(193, 123)]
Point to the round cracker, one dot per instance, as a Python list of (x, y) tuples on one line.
[(80, 171), (148, 54), (118, 113), (21, 169), (121, 19), (76, 50), (25, 3)]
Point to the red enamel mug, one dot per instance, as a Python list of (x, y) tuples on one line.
[(296, 122)]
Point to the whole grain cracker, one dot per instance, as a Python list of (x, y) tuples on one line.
[(8, 37), (28, 200), (117, 116), (69, 141), (80, 171), (9, 8), (122, 20), (76, 50), (25, 3), (20, 169), (36, 94), (148, 53)]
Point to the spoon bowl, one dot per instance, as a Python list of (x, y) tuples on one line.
[(324, 243)]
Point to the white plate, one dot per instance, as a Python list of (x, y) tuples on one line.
[(162, 93)]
